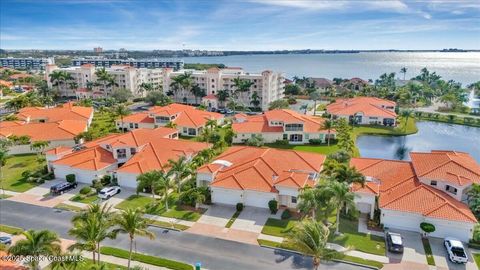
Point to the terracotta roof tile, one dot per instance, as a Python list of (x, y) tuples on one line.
[(65, 112), (187, 116), (62, 130), (369, 106)]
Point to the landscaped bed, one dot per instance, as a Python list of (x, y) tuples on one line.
[(157, 261), (10, 229), (428, 251), (85, 199), (476, 257), (13, 169), (67, 207), (167, 225), (278, 227)]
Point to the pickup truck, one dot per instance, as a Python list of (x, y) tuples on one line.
[(456, 251)]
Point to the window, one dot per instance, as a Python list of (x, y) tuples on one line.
[(294, 199), (307, 136), (192, 131), (185, 130), (121, 153), (451, 189), (133, 151), (433, 183), (285, 136), (131, 125), (136, 125), (293, 127)]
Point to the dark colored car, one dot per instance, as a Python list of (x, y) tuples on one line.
[(395, 242), (6, 240), (62, 188)]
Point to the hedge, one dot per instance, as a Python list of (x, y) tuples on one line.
[(157, 261)]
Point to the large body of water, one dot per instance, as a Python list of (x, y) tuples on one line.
[(463, 67), (430, 136)]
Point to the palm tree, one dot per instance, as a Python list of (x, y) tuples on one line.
[(179, 169), (211, 124), (328, 125), (39, 146), (197, 92), (147, 87), (340, 196), (171, 124), (315, 96), (308, 201), (70, 263), (198, 197), (149, 180), (242, 86), (56, 77), (91, 227), (131, 222), (404, 71), (36, 243), (255, 100), (122, 111), (343, 173), (103, 77), (165, 183), (222, 96), (406, 114), (310, 237)]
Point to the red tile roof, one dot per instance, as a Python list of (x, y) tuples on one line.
[(259, 123), (211, 96), (398, 188), (62, 130), (142, 117), (65, 112), (369, 106), (187, 116), (94, 159), (458, 168), (263, 169)]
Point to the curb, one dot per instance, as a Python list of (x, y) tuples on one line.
[(166, 228), (335, 260)]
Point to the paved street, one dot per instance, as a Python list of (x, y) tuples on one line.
[(212, 252)]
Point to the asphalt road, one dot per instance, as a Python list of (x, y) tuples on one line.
[(213, 253)]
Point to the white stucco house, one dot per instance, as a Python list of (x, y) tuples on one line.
[(254, 176), (430, 188), (364, 111)]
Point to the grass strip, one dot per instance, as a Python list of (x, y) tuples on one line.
[(232, 219), (152, 260), (10, 229), (167, 225), (428, 251), (67, 207)]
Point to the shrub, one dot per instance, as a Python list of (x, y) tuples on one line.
[(239, 207), (85, 190), (49, 176), (273, 205), (281, 142), (70, 178), (286, 214), (138, 99), (40, 181), (106, 180), (97, 185), (26, 174), (427, 227), (315, 141)]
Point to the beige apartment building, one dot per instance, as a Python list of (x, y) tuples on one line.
[(125, 77), (268, 85)]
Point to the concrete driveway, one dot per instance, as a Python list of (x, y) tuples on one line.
[(441, 257), (251, 219), (118, 198), (413, 249), (218, 215)]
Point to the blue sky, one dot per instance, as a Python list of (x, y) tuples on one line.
[(239, 25)]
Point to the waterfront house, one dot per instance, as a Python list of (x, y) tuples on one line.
[(364, 111)]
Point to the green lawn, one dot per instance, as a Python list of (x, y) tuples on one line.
[(350, 237), (320, 149), (88, 199), (134, 201), (103, 124), (12, 172), (10, 229), (400, 130), (278, 227), (157, 261), (167, 225), (476, 257), (175, 210), (5, 196), (67, 207), (337, 256)]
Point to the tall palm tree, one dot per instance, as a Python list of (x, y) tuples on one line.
[(103, 78), (147, 87), (222, 96), (328, 125), (406, 114), (121, 111), (36, 243), (211, 124), (242, 86), (91, 227), (179, 169), (341, 197), (131, 222), (197, 92), (308, 201), (315, 96), (255, 99), (343, 173), (56, 77), (310, 237), (165, 183)]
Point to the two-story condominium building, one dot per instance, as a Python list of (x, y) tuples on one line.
[(431, 188), (254, 176), (124, 76), (188, 120), (268, 85), (27, 63), (58, 126), (364, 111), (124, 156), (281, 124)]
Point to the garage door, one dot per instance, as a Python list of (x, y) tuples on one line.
[(225, 196), (450, 230), (258, 199), (402, 221)]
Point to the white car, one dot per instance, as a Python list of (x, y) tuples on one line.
[(108, 192), (456, 251)]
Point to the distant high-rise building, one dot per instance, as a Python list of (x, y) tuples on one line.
[(26, 63), (98, 49), (174, 63)]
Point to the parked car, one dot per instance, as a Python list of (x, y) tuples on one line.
[(394, 242), (108, 192), (456, 251), (222, 111), (6, 240), (61, 188)]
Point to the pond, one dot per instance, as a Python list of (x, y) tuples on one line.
[(430, 136)]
